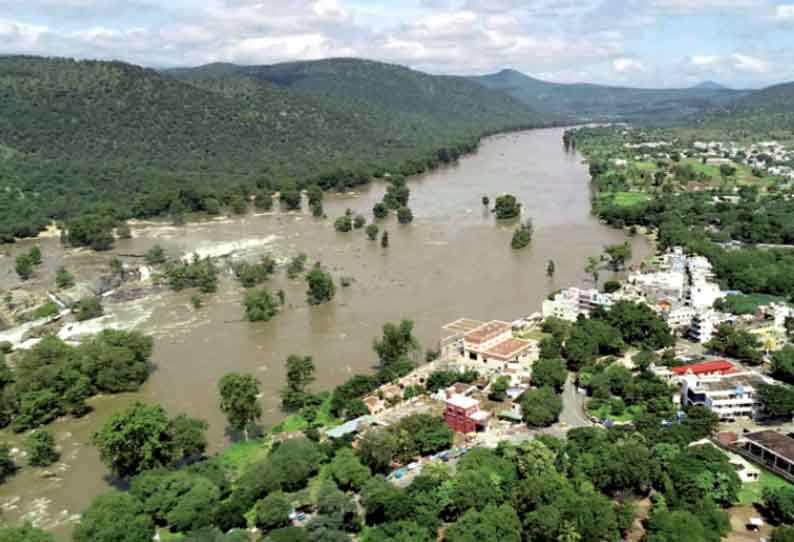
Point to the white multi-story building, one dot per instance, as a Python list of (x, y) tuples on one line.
[(728, 396), (680, 317), (705, 324), (565, 305), (702, 295)]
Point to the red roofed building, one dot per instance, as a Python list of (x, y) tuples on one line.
[(706, 368), (463, 414)]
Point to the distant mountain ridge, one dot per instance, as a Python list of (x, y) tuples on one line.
[(390, 87), (768, 111), (710, 85), (585, 101)]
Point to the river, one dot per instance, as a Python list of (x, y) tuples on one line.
[(453, 261)]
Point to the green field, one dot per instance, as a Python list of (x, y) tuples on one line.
[(239, 455), (751, 491), (603, 413), (626, 199), (748, 304)]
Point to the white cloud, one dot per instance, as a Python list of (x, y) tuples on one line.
[(625, 65), (784, 13), (749, 64)]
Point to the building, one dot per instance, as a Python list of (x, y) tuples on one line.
[(773, 450), (351, 427), (729, 396), (705, 325), (491, 348), (463, 414), (679, 317), (719, 367), (702, 295), (451, 343), (564, 305)]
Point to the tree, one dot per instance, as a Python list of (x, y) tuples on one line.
[(783, 364), (397, 193), (777, 400), (384, 239), (674, 526), (541, 407), (618, 255), (397, 342), (90, 230), (486, 201), (264, 200), (136, 439), (88, 308), (736, 343), (63, 278), (40, 446), (399, 531), (24, 533), (7, 466), (348, 472), (343, 224), (239, 401), (781, 534), (24, 266), (507, 207), (522, 236), (380, 211), (550, 269), (593, 264), (372, 231), (611, 286), (272, 512), (300, 375), (492, 524), (155, 256), (498, 390), (321, 286), (290, 196), (189, 435), (789, 325), (549, 373), (259, 305), (405, 215), (359, 222), (296, 266), (287, 534), (114, 517)]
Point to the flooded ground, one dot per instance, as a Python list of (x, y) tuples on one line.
[(453, 261)]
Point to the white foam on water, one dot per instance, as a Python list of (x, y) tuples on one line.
[(228, 248)]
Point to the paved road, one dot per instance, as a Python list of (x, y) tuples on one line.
[(573, 412)]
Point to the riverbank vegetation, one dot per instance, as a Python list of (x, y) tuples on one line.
[(53, 378), (255, 138)]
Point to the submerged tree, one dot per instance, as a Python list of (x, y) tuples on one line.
[(321, 286), (239, 401), (523, 235), (550, 268)]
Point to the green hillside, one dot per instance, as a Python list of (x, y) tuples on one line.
[(389, 87), (78, 136), (768, 112), (582, 101)]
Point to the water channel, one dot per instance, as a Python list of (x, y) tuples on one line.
[(453, 261)]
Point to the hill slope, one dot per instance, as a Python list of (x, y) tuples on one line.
[(389, 87), (80, 134), (581, 101), (767, 113)]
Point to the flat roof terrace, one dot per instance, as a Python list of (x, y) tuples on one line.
[(508, 349), (487, 331), (461, 326)]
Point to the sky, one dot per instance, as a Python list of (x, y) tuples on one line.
[(646, 43)]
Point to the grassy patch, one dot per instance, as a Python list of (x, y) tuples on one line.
[(168, 536), (535, 335), (296, 421), (627, 199), (748, 304), (603, 412), (239, 455), (751, 491), (46, 310)]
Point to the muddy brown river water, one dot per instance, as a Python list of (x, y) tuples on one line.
[(453, 261)]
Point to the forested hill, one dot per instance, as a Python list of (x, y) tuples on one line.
[(389, 87), (768, 112), (77, 136), (581, 101)]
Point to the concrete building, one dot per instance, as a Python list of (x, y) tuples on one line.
[(463, 414), (702, 295), (705, 324), (773, 450), (729, 396), (564, 305)]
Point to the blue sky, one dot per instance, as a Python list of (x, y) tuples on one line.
[(650, 43)]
